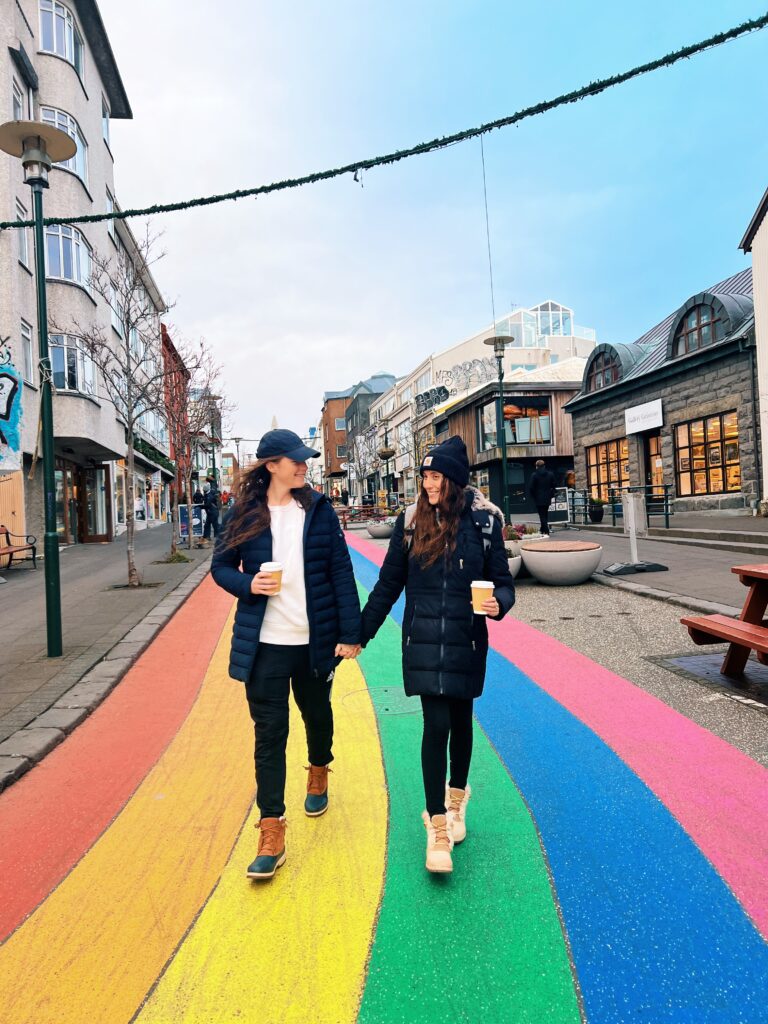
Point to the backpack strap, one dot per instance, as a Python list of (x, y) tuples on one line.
[(410, 512)]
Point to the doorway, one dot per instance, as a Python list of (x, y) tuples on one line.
[(654, 465), (96, 504), (67, 488)]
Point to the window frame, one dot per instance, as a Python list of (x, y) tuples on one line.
[(73, 44), (64, 121), (110, 208), (28, 352), (684, 333), (714, 455), (601, 364), (340, 420), (105, 116), (23, 234), (17, 100), (80, 247), (600, 478), (81, 363)]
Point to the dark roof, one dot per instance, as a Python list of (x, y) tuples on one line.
[(754, 224), (375, 385), (90, 18), (733, 296)]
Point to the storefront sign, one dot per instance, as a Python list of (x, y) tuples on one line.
[(643, 417), (10, 417)]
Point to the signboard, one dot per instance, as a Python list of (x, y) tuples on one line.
[(643, 417), (558, 507), (197, 521), (10, 416)]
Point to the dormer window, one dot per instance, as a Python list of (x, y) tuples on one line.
[(700, 327), (604, 370)]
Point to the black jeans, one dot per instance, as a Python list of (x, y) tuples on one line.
[(211, 522), (447, 723), (275, 671), (543, 511)]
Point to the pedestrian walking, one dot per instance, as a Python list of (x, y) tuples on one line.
[(283, 555), (211, 503), (448, 539), (542, 490)]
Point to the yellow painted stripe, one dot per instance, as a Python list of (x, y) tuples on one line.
[(93, 949), (294, 949)]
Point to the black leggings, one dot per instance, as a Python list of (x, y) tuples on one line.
[(447, 722)]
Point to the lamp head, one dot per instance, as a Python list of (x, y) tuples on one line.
[(499, 343), (39, 146)]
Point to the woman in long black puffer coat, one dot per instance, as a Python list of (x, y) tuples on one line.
[(451, 537)]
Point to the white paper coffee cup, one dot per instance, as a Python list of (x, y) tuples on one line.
[(481, 591), (275, 570)]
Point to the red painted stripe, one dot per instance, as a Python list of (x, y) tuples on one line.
[(716, 793), (51, 816)]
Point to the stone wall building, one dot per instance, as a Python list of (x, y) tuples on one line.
[(676, 408)]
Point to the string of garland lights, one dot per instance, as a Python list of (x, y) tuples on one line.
[(593, 89)]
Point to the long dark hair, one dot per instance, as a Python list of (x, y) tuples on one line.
[(250, 515), (435, 527)]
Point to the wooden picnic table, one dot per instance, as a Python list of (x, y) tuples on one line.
[(747, 633)]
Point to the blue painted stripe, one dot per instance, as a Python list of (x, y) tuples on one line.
[(655, 933)]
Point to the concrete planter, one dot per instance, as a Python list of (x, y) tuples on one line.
[(380, 530), (561, 563)]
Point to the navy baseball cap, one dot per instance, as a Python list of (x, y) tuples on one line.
[(277, 444)]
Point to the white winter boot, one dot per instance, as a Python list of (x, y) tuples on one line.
[(439, 843), (456, 801)]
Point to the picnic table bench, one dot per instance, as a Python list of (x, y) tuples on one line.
[(8, 548), (747, 633)]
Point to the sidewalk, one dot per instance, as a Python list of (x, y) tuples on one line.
[(95, 617)]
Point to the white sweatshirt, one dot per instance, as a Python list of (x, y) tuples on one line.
[(285, 620)]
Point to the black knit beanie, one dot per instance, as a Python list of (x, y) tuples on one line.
[(450, 459)]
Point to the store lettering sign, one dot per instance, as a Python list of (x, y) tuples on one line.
[(10, 415), (643, 417)]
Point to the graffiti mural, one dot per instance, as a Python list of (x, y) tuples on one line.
[(463, 376), (10, 411)]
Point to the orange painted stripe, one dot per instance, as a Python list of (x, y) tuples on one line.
[(55, 813)]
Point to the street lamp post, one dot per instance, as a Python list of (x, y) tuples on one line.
[(499, 343), (39, 146), (386, 453)]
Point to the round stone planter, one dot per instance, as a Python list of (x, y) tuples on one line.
[(561, 563), (514, 564), (380, 530)]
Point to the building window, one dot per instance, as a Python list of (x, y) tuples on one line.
[(111, 223), (526, 421), (78, 164), (607, 468), (18, 102), (341, 451), (23, 234), (59, 33), (341, 424), (118, 314), (67, 254), (707, 455), (603, 371), (72, 366), (699, 327), (423, 382), (104, 120), (27, 352)]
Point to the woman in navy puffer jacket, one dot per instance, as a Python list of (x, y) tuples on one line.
[(289, 635)]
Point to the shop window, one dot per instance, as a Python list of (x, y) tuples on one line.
[(707, 455), (526, 421), (604, 370), (699, 327), (607, 468)]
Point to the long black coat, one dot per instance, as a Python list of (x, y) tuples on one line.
[(333, 607), (445, 644), (542, 486)]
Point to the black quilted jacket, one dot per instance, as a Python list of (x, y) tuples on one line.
[(333, 608), (445, 645)]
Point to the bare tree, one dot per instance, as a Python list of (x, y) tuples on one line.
[(129, 358), (361, 454)]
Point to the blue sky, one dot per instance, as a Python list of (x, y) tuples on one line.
[(620, 206)]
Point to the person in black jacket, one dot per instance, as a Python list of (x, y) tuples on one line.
[(542, 490), (211, 503), (451, 537), (290, 634)]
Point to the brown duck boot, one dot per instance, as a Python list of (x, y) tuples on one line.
[(456, 801), (316, 802), (271, 853), (439, 843)]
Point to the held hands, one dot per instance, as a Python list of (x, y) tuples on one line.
[(491, 606), (264, 583), (347, 650)]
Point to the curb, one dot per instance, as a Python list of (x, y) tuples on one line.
[(28, 746), (709, 607)]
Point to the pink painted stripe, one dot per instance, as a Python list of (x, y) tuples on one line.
[(716, 793)]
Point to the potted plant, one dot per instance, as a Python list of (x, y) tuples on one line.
[(595, 510)]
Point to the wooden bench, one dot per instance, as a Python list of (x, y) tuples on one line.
[(747, 633), (9, 549)]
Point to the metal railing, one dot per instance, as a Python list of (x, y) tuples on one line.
[(657, 500)]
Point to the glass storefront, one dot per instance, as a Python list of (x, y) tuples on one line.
[(707, 455), (607, 467), (526, 421)]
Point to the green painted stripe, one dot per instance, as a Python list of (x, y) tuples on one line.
[(485, 943)]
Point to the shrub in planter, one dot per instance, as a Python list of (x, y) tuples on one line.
[(595, 510)]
